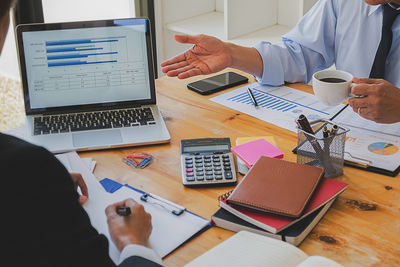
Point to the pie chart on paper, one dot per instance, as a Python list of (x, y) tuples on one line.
[(383, 148)]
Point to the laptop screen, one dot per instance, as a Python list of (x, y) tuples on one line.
[(87, 65)]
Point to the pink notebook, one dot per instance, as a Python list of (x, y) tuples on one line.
[(251, 151)]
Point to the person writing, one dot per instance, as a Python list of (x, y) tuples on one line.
[(358, 36), (43, 222)]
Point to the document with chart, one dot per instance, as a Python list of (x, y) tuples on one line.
[(280, 106)]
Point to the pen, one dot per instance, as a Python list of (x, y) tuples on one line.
[(253, 99), (123, 211), (325, 132), (335, 128), (303, 124)]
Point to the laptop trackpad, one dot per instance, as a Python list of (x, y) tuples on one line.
[(97, 138)]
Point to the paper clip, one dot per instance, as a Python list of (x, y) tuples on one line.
[(132, 160)]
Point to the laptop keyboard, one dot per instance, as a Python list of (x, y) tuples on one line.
[(75, 122)]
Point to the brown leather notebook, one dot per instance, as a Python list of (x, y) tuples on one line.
[(277, 186)]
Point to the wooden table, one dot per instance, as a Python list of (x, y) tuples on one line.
[(361, 229)]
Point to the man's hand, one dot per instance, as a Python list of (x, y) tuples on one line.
[(381, 102), (132, 229), (208, 55), (79, 182)]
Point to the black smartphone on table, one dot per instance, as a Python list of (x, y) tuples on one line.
[(217, 83)]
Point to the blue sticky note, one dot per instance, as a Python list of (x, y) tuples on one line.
[(110, 185)]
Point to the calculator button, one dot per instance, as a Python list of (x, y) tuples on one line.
[(208, 169), (209, 173), (207, 157), (217, 164), (227, 164), (189, 169), (225, 160), (228, 175), (198, 165), (190, 179), (217, 168), (207, 160), (215, 157), (227, 168), (218, 177), (188, 158), (199, 173), (189, 174), (225, 156), (189, 165), (217, 172), (215, 160), (199, 169), (198, 157), (199, 161), (200, 178), (207, 164), (209, 177)]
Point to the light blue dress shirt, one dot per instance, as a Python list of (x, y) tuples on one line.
[(341, 32)]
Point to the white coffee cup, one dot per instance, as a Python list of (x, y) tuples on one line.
[(332, 93)]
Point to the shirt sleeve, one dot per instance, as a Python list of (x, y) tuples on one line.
[(307, 48), (141, 251)]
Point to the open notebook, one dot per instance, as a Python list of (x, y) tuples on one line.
[(169, 231), (252, 250)]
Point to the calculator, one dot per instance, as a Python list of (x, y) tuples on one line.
[(207, 161)]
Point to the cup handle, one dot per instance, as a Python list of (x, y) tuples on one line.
[(353, 95)]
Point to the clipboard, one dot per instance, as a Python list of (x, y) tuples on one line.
[(112, 186), (361, 163)]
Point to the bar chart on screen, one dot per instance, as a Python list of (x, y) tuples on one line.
[(277, 105)]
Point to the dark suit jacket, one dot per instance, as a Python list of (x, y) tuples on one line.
[(43, 223)]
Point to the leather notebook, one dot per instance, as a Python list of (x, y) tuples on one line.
[(277, 186)]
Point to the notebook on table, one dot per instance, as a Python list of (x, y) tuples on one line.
[(328, 189), (277, 186), (294, 234), (89, 85), (249, 249)]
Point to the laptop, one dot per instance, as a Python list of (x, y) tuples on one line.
[(89, 85)]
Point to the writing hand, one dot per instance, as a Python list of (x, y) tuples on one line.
[(79, 182), (208, 55), (132, 229), (381, 102)]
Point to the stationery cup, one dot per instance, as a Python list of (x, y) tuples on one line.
[(332, 87)]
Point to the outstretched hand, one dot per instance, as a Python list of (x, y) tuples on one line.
[(208, 55)]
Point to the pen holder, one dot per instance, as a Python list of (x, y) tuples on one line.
[(327, 153)]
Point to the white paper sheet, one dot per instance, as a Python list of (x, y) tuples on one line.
[(351, 119), (280, 106)]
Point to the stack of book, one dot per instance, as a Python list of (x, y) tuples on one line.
[(278, 199)]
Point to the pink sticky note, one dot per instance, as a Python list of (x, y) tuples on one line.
[(251, 151)]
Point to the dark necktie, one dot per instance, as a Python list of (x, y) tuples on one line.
[(378, 68)]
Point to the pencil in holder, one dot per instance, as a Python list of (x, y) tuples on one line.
[(325, 152)]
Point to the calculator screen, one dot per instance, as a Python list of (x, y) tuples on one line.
[(191, 149)]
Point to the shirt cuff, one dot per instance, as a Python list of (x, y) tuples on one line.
[(140, 251), (272, 67)]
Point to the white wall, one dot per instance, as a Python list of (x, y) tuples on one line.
[(74, 10), (67, 10)]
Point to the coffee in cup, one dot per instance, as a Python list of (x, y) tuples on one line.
[(332, 87)]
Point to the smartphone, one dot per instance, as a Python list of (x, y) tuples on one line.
[(217, 83)]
